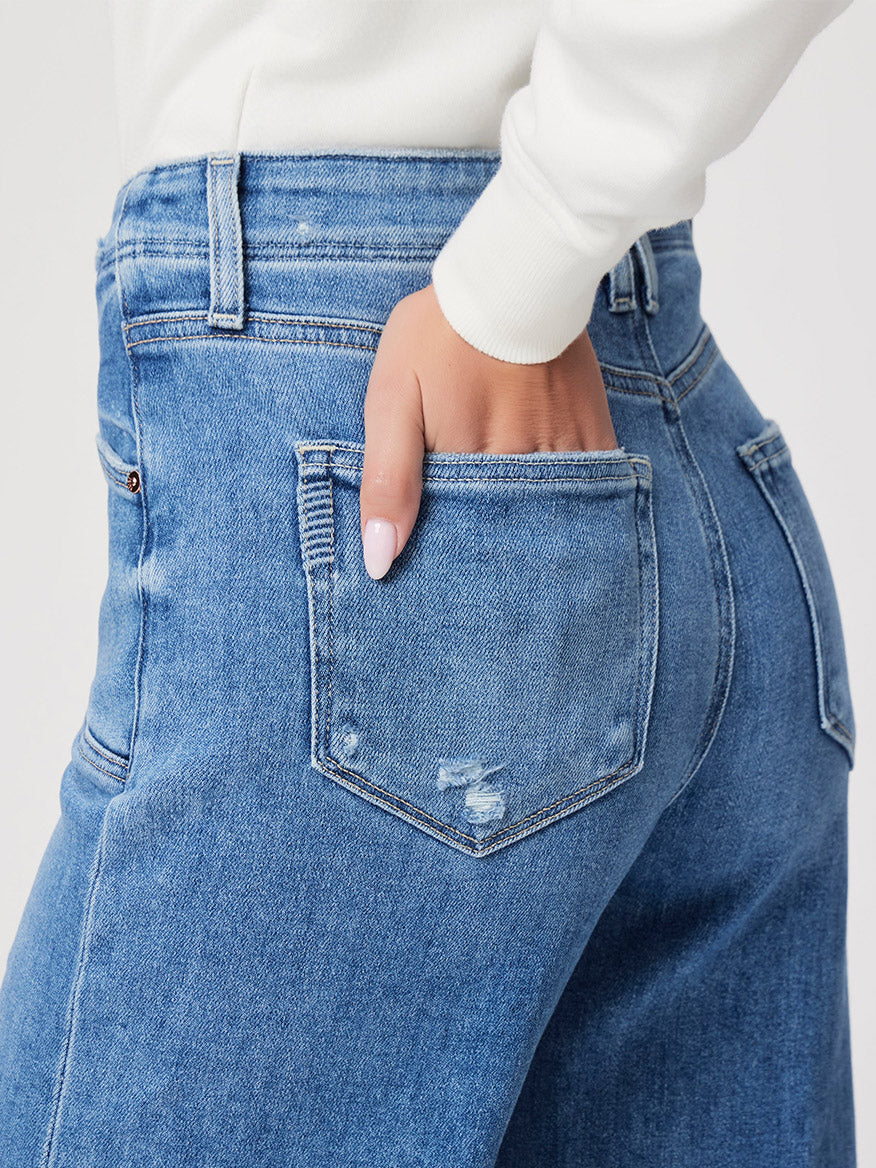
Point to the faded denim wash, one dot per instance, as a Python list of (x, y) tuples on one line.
[(531, 854)]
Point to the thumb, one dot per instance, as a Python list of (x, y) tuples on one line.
[(392, 474)]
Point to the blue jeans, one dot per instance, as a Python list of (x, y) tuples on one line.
[(532, 853)]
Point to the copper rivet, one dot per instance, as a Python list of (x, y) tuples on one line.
[(133, 483)]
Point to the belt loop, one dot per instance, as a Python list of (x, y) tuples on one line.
[(621, 297), (226, 242), (649, 270)]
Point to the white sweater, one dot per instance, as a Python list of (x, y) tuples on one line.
[(606, 112)]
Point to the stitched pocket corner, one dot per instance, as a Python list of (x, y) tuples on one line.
[(768, 460), (500, 676)]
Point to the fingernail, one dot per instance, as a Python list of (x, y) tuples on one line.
[(378, 545)]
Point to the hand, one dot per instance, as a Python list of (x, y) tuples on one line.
[(431, 390)]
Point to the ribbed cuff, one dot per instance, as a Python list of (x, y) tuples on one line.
[(513, 281)]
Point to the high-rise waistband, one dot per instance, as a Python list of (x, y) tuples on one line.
[(224, 234), (320, 202)]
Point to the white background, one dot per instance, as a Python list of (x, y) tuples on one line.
[(786, 240)]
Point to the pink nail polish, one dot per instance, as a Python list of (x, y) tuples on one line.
[(378, 546)]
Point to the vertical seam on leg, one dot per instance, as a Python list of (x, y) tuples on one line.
[(51, 1143)]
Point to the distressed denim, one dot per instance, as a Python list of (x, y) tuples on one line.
[(531, 853)]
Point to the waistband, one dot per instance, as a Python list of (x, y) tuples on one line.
[(216, 233)]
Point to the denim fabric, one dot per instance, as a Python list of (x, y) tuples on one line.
[(531, 853)]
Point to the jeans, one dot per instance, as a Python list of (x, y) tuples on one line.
[(530, 854)]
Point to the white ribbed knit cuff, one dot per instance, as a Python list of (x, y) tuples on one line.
[(512, 282)]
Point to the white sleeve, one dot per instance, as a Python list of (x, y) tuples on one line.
[(628, 102)]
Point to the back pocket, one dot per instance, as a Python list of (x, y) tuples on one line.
[(499, 677), (768, 459)]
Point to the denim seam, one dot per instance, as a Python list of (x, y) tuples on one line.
[(466, 456), (113, 479), (51, 1142), (619, 774), (331, 622), (839, 725), (263, 318), (261, 340), (523, 479), (710, 525), (135, 388), (102, 770), (693, 356), (215, 272), (462, 459), (642, 717), (768, 458), (699, 377), (750, 449), (110, 473), (314, 638), (146, 530), (325, 249), (725, 600), (491, 841), (654, 612)]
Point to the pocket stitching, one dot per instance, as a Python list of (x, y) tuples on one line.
[(451, 460), (100, 749), (628, 769)]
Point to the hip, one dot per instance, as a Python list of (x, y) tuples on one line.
[(483, 690)]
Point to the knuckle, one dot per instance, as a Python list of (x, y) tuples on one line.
[(390, 488)]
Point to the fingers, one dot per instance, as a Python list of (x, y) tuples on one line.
[(392, 476)]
